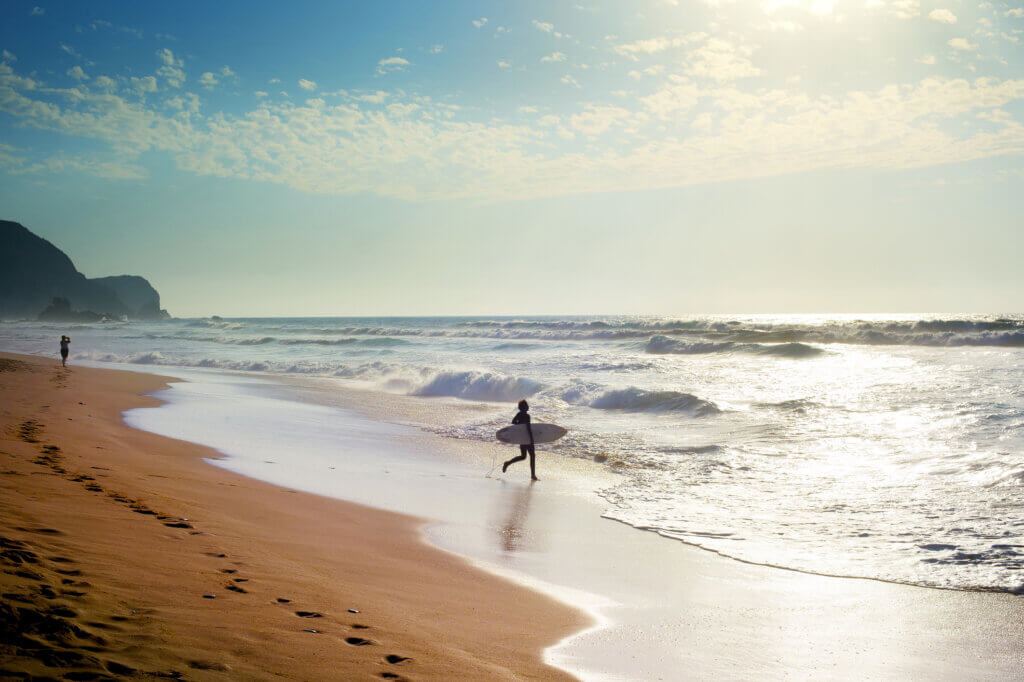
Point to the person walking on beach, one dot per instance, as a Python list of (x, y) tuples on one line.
[(65, 342), (523, 417)]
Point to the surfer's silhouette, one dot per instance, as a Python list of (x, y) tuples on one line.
[(523, 417)]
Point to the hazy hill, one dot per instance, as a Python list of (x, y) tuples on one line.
[(33, 272)]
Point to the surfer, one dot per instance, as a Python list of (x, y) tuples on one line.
[(523, 417), (65, 341)]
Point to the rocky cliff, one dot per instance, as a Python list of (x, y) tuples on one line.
[(33, 272)]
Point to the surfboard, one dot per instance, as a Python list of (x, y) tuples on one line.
[(542, 433)]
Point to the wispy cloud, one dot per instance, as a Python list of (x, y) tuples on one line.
[(943, 16), (306, 84), (390, 64), (479, 23), (962, 45), (37, 11), (547, 28), (554, 57), (210, 80)]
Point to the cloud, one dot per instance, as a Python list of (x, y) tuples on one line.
[(595, 120), (901, 9), (390, 64), (171, 68), (656, 44), (374, 97), (927, 59), (721, 61), (260, 93), (144, 84), (77, 73), (503, 64), (112, 170), (1017, 12), (479, 23), (105, 83), (961, 44), (7, 56), (99, 24), (37, 11), (688, 131), (943, 16), (436, 49), (569, 80), (547, 28), (554, 57), (210, 80), (307, 84), (71, 51), (678, 95), (167, 57)]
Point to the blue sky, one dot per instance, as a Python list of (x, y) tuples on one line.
[(594, 157)]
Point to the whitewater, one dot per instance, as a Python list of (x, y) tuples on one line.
[(886, 447)]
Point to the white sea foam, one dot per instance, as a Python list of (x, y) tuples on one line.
[(474, 385)]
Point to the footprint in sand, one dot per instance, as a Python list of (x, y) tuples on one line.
[(359, 641), (395, 659), (236, 588), (308, 614)]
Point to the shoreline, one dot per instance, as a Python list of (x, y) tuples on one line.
[(108, 557)]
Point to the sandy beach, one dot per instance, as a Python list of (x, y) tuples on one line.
[(125, 553)]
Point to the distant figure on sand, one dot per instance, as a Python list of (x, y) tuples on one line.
[(65, 342), (523, 417)]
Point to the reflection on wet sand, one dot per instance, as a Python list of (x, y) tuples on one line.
[(513, 533)]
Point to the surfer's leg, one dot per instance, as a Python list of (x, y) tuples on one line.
[(520, 458), (533, 460)]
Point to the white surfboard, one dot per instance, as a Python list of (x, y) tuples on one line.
[(542, 433)]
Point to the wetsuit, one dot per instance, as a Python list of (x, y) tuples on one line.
[(63, 351), (524, 418)]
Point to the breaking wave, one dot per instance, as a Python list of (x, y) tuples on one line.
[(637, 400), (663, 345), (486, 386)]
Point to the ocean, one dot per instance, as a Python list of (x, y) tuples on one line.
[(885, 447)]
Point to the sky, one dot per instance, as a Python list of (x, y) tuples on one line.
[(596, 157)]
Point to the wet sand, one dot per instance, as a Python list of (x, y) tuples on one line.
[(123, 552)]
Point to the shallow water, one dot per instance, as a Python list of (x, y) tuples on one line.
[(889, 448)]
